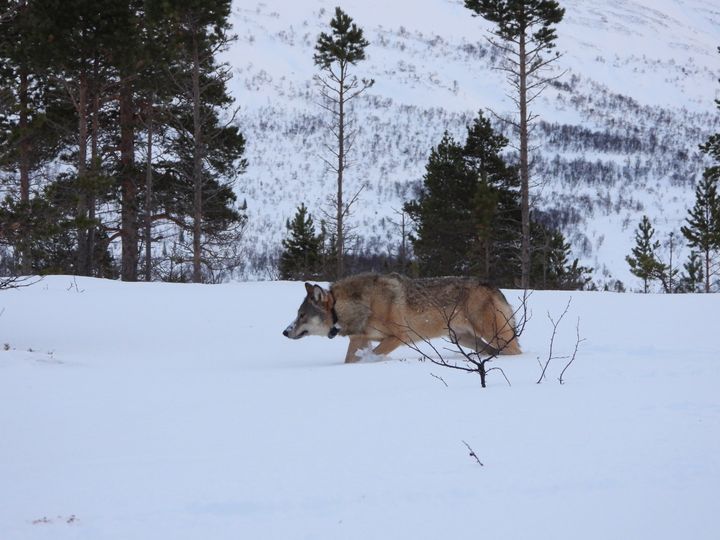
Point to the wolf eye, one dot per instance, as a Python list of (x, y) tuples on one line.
[(301, 315)]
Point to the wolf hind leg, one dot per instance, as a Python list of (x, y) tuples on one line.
[(387, 345), (501, 330), (510, 346)]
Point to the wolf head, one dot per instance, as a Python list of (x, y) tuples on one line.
[(316, 315)]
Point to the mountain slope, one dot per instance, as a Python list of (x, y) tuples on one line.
[(618, 136)]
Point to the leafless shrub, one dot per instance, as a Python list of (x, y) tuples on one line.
[(476, 361), (472, 361), (572, 357), (555, 323)]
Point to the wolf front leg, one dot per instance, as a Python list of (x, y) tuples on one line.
[(357, 343)]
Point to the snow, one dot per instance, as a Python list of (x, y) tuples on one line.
[(152, 411)]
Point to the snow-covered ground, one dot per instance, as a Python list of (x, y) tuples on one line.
[(151, 411)]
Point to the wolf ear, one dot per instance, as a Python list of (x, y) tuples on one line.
[(315, 292), (318, 293)]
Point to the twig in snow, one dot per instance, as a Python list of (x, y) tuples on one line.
[(440, 379), (577, 345), (473, 454)]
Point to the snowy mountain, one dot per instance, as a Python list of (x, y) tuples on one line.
[(618, 135), (217, 427)]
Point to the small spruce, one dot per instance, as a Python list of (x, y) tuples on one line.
[(644, 262)]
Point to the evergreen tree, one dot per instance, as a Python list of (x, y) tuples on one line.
[(301, 258), (64, 52), (703, 222), (669, 276), (524, 30), (712, 148), (702, 231), (467, 212), (76, 41), (496, 205), (644, 262), (692, 279), (328, 253), (196, 185), (443, 212), (552, 267), (335, 54), (20, 91)]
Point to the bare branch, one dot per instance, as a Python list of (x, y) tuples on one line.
[(577, 345), (353, 200), (439, 379), (552, 339), (476, 359), (18, 282)]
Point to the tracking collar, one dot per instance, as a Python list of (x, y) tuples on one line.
[(335, 328)]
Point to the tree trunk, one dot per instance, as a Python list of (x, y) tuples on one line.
[(25, 266), (524, 169), (148, 198), (128, 186), (24, 148), (197, 168), (486, 264), (707, 270), (82, 229), (403, 246), (95, 170), (340, 238)]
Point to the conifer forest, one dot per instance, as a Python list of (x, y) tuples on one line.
[(207, 141)]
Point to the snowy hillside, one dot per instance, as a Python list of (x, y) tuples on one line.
[(148, 411), (619, 131)]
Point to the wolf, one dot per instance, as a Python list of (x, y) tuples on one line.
[(394, 310)]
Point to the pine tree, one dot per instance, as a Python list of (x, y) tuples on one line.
[(206, 150), (65, 52), (335, 53), (301, 258), (31, 126), (524, 31), (703, 223), (712, 148), (644, 262)]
